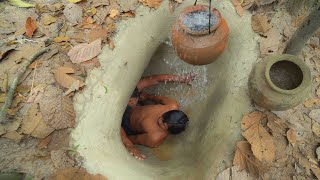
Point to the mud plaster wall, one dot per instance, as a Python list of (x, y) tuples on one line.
[(211, 137)]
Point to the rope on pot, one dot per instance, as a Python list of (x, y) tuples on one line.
[(195, 3)]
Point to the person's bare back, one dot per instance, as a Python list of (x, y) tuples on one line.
[(149, 125)]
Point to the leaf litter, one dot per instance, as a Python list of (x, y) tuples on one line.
[(275, 127), (94, 21), (261, 141), (84, 52)]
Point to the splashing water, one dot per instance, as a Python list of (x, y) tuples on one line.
[(184, 94)]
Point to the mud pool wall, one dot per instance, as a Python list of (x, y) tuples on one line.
[(207, 145)]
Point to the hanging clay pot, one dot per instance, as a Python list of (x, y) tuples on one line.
[(191, 38), (280, 82)]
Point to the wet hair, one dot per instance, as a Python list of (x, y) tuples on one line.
[(176, 120)]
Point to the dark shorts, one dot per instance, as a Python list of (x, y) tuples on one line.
[(125, 124)]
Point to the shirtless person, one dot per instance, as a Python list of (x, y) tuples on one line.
[(149, 125)]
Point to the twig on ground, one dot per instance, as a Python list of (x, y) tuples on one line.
[(307, 29), (22, 69), (34, 74)]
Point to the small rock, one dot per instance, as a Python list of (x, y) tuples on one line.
[(73, 13), (316, 129), (61, 160), (318, 153), (315, 115)]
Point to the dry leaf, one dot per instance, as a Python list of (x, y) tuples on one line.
[(57, 112), (83, 52), (260, 23), (31, 26), (151, 3), (91, 11), (23, 89), (20, 3), (111, 45), (34, 125), (3, 97), (87, 23), (74, 87), (10, 126), (318, 92), (49, 7), (48, 19), (245, 159), (246, 4), (13, 111), (96, 3), (4, 85), (76, 173), (36, 93), (73, 13), (315, 115), (270, 44), (95, 34), (261, 141), (233, 173), (101, 15), (250, 119), (128, 14), (43, 143), (20, 31), (316, 129), (292, 136), (4, 50), (13, 135), (114, 13), (60, 39), (61, 160), (35, 64), (238, 7), (312, 102), (64, 80), (264, 2), (309, 166), (276, 125), (91, 64), (74, 1)]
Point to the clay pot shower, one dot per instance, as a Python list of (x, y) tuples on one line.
[(191, 38), (280, 82)]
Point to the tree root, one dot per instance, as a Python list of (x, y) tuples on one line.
[(20, 72)]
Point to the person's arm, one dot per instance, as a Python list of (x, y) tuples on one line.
[(156, 79), (150, 140), (125, 140), (130, 146), (160, 99)]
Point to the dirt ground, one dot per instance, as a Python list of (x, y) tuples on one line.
[(35, 139)]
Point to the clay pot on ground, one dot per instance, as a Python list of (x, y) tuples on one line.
[(191, 38), (280, 82)]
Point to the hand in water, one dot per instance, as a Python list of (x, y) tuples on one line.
[(136, 153), (143, 96), (189, 78)]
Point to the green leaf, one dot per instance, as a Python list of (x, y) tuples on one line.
[(20, 3), (106, 89)]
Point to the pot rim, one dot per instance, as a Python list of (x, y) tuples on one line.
[(294, 59), (200, 7)]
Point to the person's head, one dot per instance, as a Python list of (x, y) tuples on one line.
[(175, 120)]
